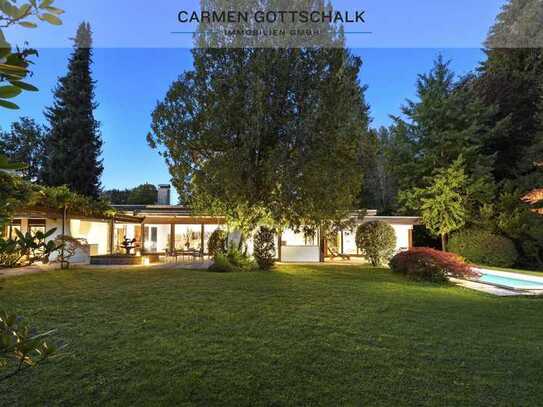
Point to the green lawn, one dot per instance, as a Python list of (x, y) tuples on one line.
[(323, 335)]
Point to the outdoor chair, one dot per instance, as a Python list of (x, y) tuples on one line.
[(334, 254)]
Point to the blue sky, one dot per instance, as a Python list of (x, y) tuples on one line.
[(137, 58)]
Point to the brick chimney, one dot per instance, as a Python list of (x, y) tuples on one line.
[(163, 197)]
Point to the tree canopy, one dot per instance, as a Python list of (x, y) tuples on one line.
[(266, 133), (442, 203), (144, 194), (24, 144)]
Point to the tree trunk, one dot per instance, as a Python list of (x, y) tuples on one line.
[(62, 262), (444, 242)]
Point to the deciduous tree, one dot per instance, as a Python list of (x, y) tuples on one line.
[(266, 134), (24, 144)]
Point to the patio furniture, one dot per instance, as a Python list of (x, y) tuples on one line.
[(334, 253)]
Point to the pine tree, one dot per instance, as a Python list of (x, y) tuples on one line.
[(74, 144), (446, 122)]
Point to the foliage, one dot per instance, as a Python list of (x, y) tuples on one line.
[(447, 121), (74, 143), (517, 26), (376, 241), (423, 238), (21, 346), (9, 253), (232, 261), (264, 248), (510, 79), (516, 220), (69, 247), (430, 265), (144, 194), (379, 187), (18, 194), (5, 164), (28, 248), (14, 68), (24, 144), (535, 196), (217, 242), (442, 204), (265, 135), (483, 247)]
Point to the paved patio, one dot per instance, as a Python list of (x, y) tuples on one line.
[(43, 268)]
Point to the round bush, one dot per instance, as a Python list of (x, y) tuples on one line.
[(264, 248), (377, 241), (217, 243), (423, 263), (483, 247)]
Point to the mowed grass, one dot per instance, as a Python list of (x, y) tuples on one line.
[(301, 335)]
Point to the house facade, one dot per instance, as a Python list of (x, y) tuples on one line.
[(163, 228)]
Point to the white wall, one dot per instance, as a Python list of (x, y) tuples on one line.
[(402, 232), (402, 236), (300, 254), (96, 234), (349, 242)]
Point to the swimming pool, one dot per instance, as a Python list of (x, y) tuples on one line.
[(510, 280)]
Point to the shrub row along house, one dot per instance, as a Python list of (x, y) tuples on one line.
[(163, 228)]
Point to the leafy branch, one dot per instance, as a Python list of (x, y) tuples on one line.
[(14, 64)]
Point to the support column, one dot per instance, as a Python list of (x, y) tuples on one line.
[(172, 237), (279, 244), (202, 240), (111, 234), (142, 236), (410, 237), (322, 244)]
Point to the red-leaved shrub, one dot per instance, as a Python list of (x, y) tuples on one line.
[(427, 264)]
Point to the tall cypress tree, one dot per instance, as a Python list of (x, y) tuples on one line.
[(74, 144)]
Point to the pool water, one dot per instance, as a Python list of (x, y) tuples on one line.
[(518, 283)]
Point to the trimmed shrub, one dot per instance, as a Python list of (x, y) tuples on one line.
[(432, 265), (232, 261), (483, 247), (376, 241), (217, 242), (264, 248)]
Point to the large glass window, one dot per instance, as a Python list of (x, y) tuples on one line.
[(188, 237), (156, 238), (14, 225), (36, 225), (126, 231)]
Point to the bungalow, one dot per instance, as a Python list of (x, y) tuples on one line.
[(162, 228)]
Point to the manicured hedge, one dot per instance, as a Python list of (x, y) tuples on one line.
[(376, 241), (483, 247), (430, 265)]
